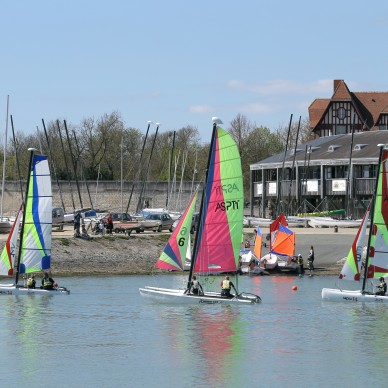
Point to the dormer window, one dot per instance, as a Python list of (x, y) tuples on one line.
[(359, 147), (332, 148)]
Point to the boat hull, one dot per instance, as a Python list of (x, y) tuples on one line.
[(11, 289), (269, 261), (337, 295), (178, 296)]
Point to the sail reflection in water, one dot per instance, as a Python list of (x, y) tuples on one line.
[(208, 337)]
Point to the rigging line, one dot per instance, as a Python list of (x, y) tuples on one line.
[(74, 163), (66, 165), (4, 158), (139, 168), (293, 166), (372, 211), (82, 169), (53, 164), (280, 178), (17, 159)]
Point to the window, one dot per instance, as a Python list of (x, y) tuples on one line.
[(341, 113), (340, 129)]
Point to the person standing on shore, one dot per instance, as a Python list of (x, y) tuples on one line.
[(300, 265), (77, 223), (310, 259)]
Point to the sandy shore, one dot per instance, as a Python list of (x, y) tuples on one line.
[(137, 254)]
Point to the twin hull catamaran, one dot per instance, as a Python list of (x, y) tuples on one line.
[(376, 260), (35, 218), (218, 239)]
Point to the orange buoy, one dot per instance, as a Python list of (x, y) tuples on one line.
[(294, 288)]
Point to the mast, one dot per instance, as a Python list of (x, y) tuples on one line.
[(300, 185), (216, 121), (139, 168), (372, 211), (348, 181), (292, 168), (17, 160), (4, 159), (52, 163), (279, 195), (82, 169), (148, 168), (24, 217), (66, 166), (170, 167), (74, 166)]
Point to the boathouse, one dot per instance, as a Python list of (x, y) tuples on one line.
[(336, 172)]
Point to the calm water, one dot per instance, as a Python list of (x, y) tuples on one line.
[(106, 335)]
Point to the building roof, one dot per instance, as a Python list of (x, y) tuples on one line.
[(331, 150), (370, 105)]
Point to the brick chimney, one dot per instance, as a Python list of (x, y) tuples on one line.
[(336, 83)]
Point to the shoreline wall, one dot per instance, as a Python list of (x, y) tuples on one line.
[(106, 195)]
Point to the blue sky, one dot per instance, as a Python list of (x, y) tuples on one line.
[(180, 63)]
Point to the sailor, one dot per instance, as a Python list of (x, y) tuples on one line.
[(300, 265), (31, 282), (382, 287), (226, 286), (195, 287), (47, 282)]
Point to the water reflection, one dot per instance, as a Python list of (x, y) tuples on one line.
[(27, 330), (206, 337)]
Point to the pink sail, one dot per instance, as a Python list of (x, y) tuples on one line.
[(220, 231)]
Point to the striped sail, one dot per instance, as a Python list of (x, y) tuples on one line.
[(284, 242), (36, 239), (274, 227), (352, 267), (219, 235), (8, 255), (174, 255), (258, 243), (378, 252)]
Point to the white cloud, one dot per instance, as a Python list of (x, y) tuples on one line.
[(254, 108), (201, 109), (276, 87)]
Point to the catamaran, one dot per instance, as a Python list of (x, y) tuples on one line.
[(218, 239), (376, 260), (35, 219)]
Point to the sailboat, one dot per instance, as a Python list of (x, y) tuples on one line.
[(376, 260), (217, 241), (34, 251), (282, 246), (250, 261)]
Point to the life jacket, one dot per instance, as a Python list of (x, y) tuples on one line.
[(47, 282), (30, 282), (226, 285), (195, 285), (300, 260)]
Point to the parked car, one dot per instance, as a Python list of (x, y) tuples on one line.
[(194, 223), (118, 217), (157, 221)]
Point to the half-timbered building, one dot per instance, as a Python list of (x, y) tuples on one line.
[(337, 170)]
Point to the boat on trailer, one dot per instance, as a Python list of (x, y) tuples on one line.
[(35, 219), (218, 239), (376, 260)]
